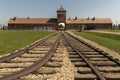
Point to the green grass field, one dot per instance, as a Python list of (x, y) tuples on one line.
[(13, 40), (110, 41)]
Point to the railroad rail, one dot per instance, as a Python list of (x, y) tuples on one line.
[(98, 64), (21, 51), (45, 57), (42, 60)]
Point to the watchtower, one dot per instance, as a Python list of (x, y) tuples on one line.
[(61, 17)]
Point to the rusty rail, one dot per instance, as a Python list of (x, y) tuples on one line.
[(97, 50), (21, 51), (98, 74), (36, 65)]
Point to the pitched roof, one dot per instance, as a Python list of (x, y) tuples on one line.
[(61, 9), (32, 20), (54, 21), (88, 21)]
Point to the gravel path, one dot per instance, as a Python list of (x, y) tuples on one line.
[(66, 72), (118, 33)]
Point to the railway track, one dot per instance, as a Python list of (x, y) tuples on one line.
[(91, 63), (59, 57), (29, 60)]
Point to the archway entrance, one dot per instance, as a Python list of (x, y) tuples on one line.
[(61, 26)]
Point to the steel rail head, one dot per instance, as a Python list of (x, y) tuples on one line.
[(36, 65), (96, 49), (98, 74), (110, 58), (21, 51)]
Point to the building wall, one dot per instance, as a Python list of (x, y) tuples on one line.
[(99, 26), (73, 26), (61, 17), (88, 26), (20, 27), (55, 26), (42, 27)]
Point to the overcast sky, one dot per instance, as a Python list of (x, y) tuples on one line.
[(47, 8)]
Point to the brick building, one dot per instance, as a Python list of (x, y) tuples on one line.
[(61, 22)]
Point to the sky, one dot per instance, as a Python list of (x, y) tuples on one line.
[(47, 9)]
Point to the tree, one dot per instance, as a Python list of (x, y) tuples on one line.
[(119, 26)]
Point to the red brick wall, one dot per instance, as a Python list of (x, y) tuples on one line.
[(55, 26), (89, 26), (30, 26)]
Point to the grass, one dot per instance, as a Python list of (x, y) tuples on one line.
[(13, 40), (110, 41)]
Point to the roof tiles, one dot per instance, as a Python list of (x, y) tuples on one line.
[(33, 20), (54, 21), (88, 21)]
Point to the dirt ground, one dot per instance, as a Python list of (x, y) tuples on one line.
[(118, 33)]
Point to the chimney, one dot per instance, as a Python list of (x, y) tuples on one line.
[(28, 17), (14, 18), (93, 18), (69, 18), (88, 18), (76, 18)]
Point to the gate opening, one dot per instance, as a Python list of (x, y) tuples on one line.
[(61, 26)]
